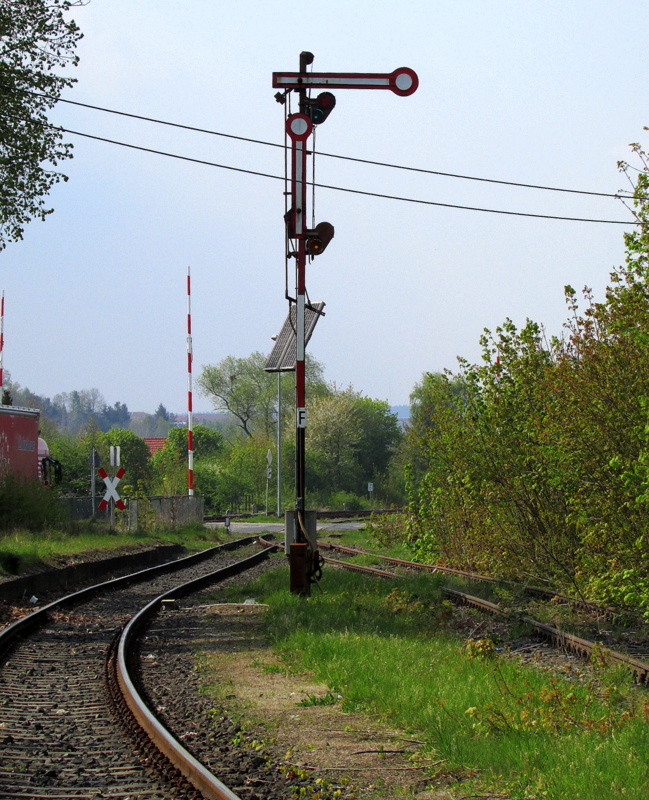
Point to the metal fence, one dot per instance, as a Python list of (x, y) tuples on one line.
[(82, 507)]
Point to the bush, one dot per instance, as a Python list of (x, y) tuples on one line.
[(28, 504), (387, 529), (347, 500)]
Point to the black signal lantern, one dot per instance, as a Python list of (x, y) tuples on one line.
[(318, 238), (320, 107)]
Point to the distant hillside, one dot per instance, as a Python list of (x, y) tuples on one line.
[(204, 418), (402, 412), (403, 415)]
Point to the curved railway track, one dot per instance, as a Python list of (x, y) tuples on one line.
[(59, 739)]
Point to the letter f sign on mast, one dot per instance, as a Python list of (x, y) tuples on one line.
[(311, 242)]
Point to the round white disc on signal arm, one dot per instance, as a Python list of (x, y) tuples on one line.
[(299, 126), (404, 81)]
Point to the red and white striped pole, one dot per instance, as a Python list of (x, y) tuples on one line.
[(2, 338), (190, 443)]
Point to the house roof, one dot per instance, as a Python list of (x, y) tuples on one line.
[(155, 443)]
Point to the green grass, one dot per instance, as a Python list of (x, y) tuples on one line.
[(361, 538), (22, 551), (502, 728), (270, 517)]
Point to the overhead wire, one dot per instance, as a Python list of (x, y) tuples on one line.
[(314, 184), (347, 190), (388, 165)]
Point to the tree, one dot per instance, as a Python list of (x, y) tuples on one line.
[(80, 406), (74, 455), (380, 435), (350, 441), (162, 414), (169, 465), (332, 439), (540, 467), (206, 442), (35, 40), (116, 416), (156, 425), (434, 388), (134, 456), (241, 387)]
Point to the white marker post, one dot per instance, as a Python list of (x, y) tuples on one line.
[(190, 426)]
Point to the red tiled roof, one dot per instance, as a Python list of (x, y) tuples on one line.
[(155, 444)]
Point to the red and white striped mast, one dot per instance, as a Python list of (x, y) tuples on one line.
[(308, 242), (2, 338), (190, 443)]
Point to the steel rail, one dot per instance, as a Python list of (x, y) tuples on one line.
[(198, 775), (561, 639), (242, 517), (409, 564), (9, 636), (380, 573)]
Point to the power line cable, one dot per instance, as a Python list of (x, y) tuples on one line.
[(344, 189), (421, 170)]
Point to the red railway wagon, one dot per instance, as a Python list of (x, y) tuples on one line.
[(19, 442)]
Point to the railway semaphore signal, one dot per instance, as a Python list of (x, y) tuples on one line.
[(304, 241)]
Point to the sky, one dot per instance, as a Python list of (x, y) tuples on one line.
[(545, 93)]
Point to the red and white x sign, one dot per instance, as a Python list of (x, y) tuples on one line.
[(111, 489)]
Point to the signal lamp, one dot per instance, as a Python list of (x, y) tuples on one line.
[(318, 238), (320, 107)]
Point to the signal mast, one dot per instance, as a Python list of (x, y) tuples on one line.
[(306, 243)]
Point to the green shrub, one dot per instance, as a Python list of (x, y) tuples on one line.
[(28, 505), (349, 500), (387, 529)]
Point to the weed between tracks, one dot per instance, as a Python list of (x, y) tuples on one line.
[(488, 725)]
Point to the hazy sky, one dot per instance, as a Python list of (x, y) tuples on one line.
[(545, 93)]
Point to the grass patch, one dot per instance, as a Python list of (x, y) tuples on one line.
[(388, 649), (23, 550), (327, 699), (365, 539)]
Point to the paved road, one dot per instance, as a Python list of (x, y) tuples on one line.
[(278, 527)]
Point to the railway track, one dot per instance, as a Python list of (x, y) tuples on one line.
[(63, 711), (539, 592), (559, 639)]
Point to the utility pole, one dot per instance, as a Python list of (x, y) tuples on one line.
[(304, 559)]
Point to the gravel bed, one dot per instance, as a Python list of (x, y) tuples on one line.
[(173, 687)]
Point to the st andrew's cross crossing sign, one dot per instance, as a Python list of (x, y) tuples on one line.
[(111, 489)]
